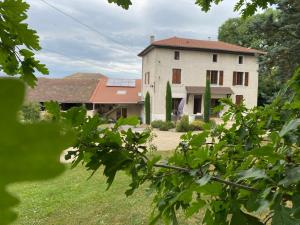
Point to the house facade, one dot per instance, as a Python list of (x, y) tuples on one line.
[(187, 63)]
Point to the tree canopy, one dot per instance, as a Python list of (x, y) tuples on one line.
[(277, 32)]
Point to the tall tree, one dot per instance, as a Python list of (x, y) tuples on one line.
[(276, 32), (147, 108), (168, 102), (207, 101)]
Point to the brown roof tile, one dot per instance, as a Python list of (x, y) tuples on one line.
[(204, 45), (109, 94), (62, 90), (85, 76)]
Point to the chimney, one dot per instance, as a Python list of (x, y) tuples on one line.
[(152, 39)]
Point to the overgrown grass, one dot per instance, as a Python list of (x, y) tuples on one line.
[(72, 199)]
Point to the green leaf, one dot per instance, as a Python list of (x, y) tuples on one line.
[(290, 126), (28, 152), (53, 108), (195, 207), (292, 177), (241, 218), (282, 216), (132, 121), (252, 173), (203, 180)]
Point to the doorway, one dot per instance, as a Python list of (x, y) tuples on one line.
[(197, 103), (121, 112), (214, 103)]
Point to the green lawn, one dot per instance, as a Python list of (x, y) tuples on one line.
[(71, 199)]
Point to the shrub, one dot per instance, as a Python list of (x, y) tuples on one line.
[(197, 125), (183, 124), (165, 126), (157, 123), (30, 112)]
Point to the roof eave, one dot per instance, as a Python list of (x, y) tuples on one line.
[(152, 46)]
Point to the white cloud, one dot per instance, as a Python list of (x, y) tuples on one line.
[(70, 47)]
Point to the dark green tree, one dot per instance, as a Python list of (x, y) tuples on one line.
[(277, 32), (207, 101), (147, 108), (168, 102)]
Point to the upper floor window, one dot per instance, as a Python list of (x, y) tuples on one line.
[(240, 78), (215, 57), (215, 76), (147, 78), (176, 55), (241, 59), (176, 76)]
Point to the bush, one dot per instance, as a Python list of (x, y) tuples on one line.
[(30, 112), (197, 125), (165, 126), (183, 124), (157, 123)]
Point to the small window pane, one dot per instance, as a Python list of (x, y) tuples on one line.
[(215, 57), (176, 55), (239, 78), (214, 77), (241, 59)]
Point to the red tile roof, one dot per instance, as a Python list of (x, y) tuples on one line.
[(184, 43), (109, 94)]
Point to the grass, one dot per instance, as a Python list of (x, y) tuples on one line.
[(71, 199)]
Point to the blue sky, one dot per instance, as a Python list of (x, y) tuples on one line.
[(119, 35)]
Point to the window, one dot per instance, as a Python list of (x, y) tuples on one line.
[(176, 77), (214, 76), (176, 55), (147, 78), (121, 92), (241, 59), (239, 78), (215, 58), (239, 99)]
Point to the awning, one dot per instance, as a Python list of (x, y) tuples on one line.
[(214, 90)]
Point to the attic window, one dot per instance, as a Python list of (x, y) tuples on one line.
[(176, 55), (241, 59), (121, 92), (215, 58)]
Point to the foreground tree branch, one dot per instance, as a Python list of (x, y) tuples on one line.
[(214, 178)]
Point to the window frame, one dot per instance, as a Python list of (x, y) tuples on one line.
[(176, 55), (241, 59), (239, 80), (215, 73), (215, 60)]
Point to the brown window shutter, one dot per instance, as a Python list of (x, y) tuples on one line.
[(234, 79), (148, 77), (246, 79), (207, 74), (179, 76), (174, 76), (221, 77)]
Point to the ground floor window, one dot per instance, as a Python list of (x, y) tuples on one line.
[(214, 103)]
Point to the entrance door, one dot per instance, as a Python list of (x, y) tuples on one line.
[(214, 103), (121, 112), (197, 103)]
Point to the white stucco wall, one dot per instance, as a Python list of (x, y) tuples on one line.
[(194, 64)]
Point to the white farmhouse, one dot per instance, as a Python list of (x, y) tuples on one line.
[(187, 63)]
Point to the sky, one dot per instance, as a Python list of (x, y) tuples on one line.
[(106, 38)]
